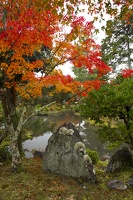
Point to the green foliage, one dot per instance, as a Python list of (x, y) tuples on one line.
[(94, 155), (75, 108), (113, 135), (1, 114), (27, 134), (4, 151), (117, 47), (61, 96), (116, 103), (82, 74), (38, 106)]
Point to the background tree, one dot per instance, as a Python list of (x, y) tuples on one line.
[(122, 9), (112, 101), (117, 47), (82, 74)]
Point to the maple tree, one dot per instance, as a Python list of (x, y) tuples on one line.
[(32, 39)]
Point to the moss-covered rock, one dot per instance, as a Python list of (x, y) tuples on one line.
[(66, 155)]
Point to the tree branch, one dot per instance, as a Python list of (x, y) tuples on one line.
[(36, 112), (59, 63)]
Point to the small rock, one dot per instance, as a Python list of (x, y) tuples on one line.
[(38, 154), (117, 185), (105, 158), (130, 182), (84, 187), (1, 163)]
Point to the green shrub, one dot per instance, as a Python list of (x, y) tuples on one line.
[(94, 155), (76, 108), (4, 151)]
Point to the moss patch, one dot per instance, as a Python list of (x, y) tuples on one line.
[(35, 184)]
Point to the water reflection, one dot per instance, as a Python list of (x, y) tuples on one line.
[(36, 143), (90, 138)]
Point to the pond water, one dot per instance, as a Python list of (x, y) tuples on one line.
[(87, 132)]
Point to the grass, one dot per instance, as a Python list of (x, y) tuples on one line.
[(32, 183)]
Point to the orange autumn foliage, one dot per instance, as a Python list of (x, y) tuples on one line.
[(26, 26)]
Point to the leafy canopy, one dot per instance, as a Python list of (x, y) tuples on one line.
[(28, 26), (112, 101)]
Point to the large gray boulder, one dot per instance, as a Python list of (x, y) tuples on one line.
[(66, 155)]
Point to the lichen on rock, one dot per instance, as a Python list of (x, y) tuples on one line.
[(80, 147), (65, 131), (87, 158)]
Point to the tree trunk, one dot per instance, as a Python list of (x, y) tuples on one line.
[(13, 125), (16, 161), (14, 144), (20, 147), (129, 51), (127, 121)]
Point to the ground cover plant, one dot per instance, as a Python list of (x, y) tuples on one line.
[(31, 182)]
